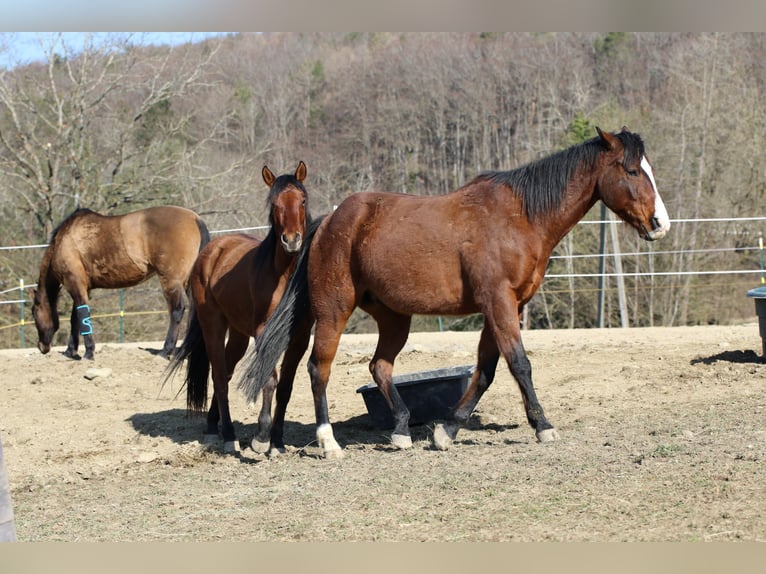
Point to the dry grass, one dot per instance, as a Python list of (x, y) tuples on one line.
[(662, 440)]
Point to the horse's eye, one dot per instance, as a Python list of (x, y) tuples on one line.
[(633, 172)]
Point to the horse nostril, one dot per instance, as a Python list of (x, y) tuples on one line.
[(292, 245), (655, 223)]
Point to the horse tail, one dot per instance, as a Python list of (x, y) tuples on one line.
[(197, 367), (204, 233), (281, 324)]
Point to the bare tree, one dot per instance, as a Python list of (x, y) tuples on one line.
[(94, 126)]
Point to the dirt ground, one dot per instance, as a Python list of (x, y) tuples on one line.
[(663, 438)]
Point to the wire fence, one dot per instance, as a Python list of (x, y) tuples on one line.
[(18, 297)]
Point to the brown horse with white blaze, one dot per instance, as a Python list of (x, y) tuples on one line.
[(482, 248), (235, 284), (93, 251)]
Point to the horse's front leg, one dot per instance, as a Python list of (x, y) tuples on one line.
[(73, 342), (86, 329), (488, 356), (506, 328), (299, 342), (521, 369), (227, 426), (211, 421), (261, 441)]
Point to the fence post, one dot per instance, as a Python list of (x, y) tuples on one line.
[(122, 315), (601, 267), (23, 303)]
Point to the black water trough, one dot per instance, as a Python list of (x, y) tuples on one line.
[(759, 296), (429, 395)]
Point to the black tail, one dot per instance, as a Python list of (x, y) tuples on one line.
[(197, 367), (193, 347), (280, 326), (204, 234)]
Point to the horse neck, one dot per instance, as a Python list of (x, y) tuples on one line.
[(284, 262), (48, 286), (579, 197), (272, 254)]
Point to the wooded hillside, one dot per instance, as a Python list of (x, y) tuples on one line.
[(117, 127)]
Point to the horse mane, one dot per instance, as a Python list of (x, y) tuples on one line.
[(265, 252), (68, 220), (52, 287), (541, 184)]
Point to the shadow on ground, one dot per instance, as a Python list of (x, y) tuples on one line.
[(730, 357), (182, 428)]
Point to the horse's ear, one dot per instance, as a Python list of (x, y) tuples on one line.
[(268, 177), (300, 173), (608, 139)]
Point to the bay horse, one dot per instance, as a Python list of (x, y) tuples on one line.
[(234, 285), (93, 251), (482, 248)]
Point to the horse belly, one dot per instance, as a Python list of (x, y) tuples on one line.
[(115, 270), (430, 285)]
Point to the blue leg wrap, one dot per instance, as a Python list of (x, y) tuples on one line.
[(83, 315)]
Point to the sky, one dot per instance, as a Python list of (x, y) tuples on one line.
[(26, 47)]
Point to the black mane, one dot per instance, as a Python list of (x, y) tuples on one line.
[(541, 184), (80, 211)]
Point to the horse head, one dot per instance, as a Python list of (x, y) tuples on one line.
[(289, 210), (627, 186), (46, 320)]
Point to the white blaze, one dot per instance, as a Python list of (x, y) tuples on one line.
[(660, 213)]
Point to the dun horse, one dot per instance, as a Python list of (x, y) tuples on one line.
[(482, 248), (92, 251), (235, 284)]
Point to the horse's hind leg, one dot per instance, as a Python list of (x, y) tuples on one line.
[(488, 356), (174, 296), (326, 340), (393, 330), (293, 355), (222, 366)]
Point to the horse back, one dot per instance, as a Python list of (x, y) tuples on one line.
[(88, 252), (421, 254), (164, 240), (386, 227)]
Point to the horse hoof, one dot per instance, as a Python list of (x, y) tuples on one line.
[(208, 438), (276, 451), (443, 437), (260, 446), (230, 446), (547, 435), (401, 441), (334, 454)]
